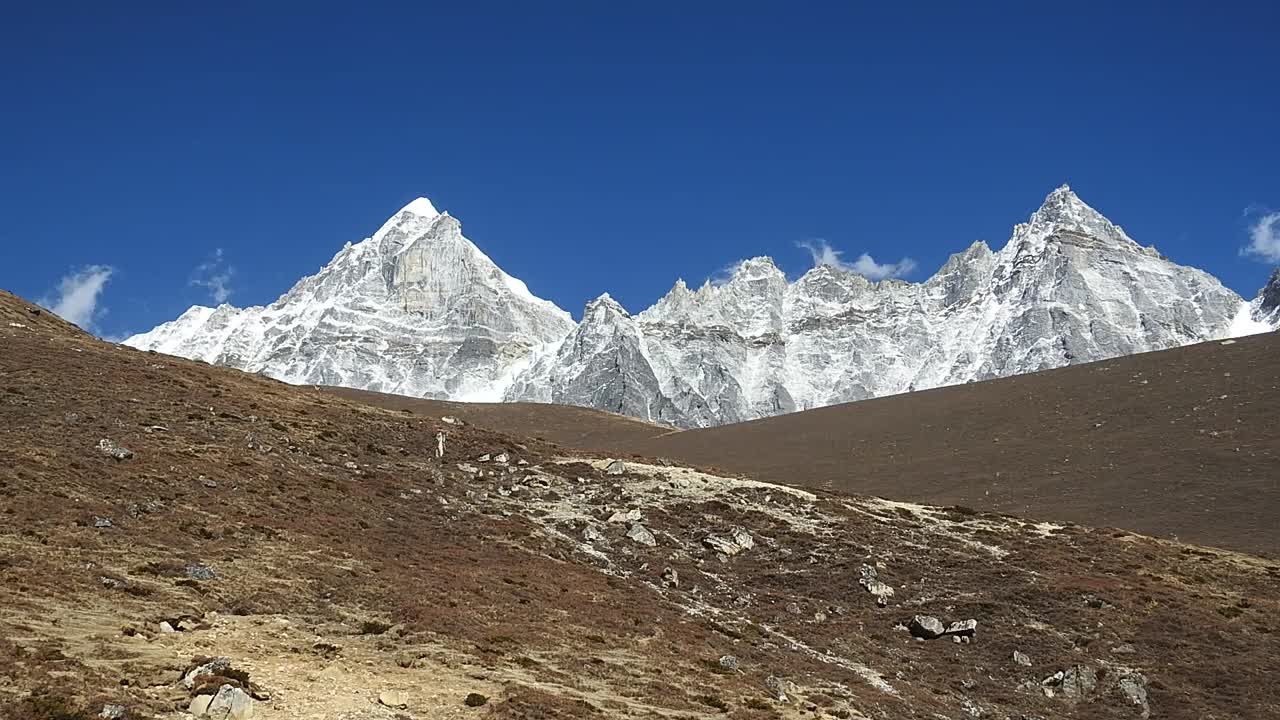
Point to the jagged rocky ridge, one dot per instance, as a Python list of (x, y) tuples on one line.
[(417, 309)]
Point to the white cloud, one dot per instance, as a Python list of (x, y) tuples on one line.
[(1264, 238), (823, 254), (77, 299), (215, 276)]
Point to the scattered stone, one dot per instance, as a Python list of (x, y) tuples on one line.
[(871, 581), (112, 583), (728, 662), (670, 577), (737, 541), (155, 428), (777, 688), (1134, 688), (632, 515), (166, 627), (1073, 684), (440, 438), (117, 453), (393, 699), (641, 534), (592, 535), (114, 712), (484, 458), (475, 700), (71, 418), (187, 625), (199, 571), (962, 628), (208, 482), (451, 420), (1096, 602), (469, 468), (926, 627), (211, 666), (350, 465), (502, 458), (102, 523), (1021, 658), (231, 703), (617, 467), (1124, 649)]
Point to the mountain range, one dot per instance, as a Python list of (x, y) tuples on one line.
[(417, 309)]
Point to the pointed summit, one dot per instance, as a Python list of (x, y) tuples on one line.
[(1064, 203), (421, 207), (604, 306)]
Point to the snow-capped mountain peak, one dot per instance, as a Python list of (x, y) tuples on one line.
[(418, 309)]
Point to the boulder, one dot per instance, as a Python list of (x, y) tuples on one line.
[(231, 703), (197, 571), (617, 467), (871, 582), (1133, 687), (777, 687), (641, 534), (211, 666), (1021, 658), (670, 577), (729, 545), (926, 627), (728, 662), (962, 628), (1073, 684), (393, 699), (114, 451), (113, 712), (440, 438), (632, 515)]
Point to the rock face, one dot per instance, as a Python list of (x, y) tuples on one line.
[(1068, 287), (418, 310), (1265, 308)]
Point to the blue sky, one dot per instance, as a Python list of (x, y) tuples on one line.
[(230, 149)]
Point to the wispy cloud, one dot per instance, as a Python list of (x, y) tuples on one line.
[(77, 295), (1264, 237), (823, 254), (215, 276)]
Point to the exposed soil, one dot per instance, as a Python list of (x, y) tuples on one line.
[(323, 547)]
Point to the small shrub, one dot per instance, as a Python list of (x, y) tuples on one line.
[(714, 701), (374, 627), (475, 700)]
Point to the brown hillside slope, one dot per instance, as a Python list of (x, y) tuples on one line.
[(1183, 443), (346, 571), (568, 425)]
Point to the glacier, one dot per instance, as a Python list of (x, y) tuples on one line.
[(417, 309)]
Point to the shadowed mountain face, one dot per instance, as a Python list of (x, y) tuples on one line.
[(419, 310), (179, 536)]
